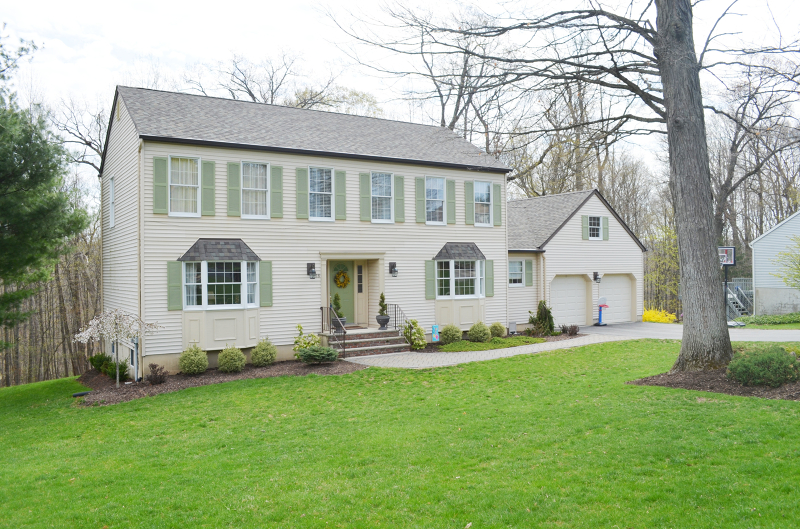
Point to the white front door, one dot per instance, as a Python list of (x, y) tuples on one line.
[(568, 300), (616, 288)]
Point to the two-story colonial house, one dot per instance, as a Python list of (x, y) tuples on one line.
[(228, 221)]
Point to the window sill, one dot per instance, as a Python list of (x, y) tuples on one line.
[(256, 217), (174, 214), (595, 238), (516, 285), (215, 308), (321, 219), (379, 221), (435, 223), (484, 225), (458, 298)]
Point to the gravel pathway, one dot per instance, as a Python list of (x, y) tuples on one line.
[(414, 360)]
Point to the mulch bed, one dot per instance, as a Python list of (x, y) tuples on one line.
[(716, 382), (105, 392), (434, 348)]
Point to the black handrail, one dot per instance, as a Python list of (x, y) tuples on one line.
[(397, 319), (338, 332)]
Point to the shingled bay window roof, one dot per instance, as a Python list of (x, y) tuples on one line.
[(460, 251), (219, 250)]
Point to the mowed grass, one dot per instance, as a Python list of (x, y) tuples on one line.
[(549, 440), (777, 326), (494, 343)]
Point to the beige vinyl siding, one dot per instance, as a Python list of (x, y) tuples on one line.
[(568, 254), (120, 261), (521, 299), (290, 243)]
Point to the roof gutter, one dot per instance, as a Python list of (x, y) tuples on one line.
[(309, 152), (517, 250)]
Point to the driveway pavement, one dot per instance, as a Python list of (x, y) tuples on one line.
[(671, 331)]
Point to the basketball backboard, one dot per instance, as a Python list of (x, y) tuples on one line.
[(727, 255)]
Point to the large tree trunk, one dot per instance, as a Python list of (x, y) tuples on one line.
[(706, 343)]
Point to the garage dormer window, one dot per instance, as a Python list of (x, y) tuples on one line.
[(594, 228)]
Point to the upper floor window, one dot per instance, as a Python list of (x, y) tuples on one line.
[(515, 274), (460, 279), (434, 200), (255, 190), (111, 203), (320, 196), (184, 186), (483, 203), (594, 228), (220, 284), (382, 197)]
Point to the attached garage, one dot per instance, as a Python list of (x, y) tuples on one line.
[(617, 289), (568, 300)]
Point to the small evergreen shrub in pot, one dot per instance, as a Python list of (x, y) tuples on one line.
[(193, 361), (231, 360), (771, 366), (450, 334), (317, 354), (264, 353), (479, 332), (497, 329)]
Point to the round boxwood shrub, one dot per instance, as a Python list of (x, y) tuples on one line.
[(231, 360), (264, 353), (317, 354), (479, 333), (193, 361), (450, 334), (771, 366), (497, 329)]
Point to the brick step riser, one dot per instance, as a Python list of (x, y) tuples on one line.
[(378, 352), (356, 343), (366, 336)]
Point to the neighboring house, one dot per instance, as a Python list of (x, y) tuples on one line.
[(215, 212), (558, 247), (772, 295)]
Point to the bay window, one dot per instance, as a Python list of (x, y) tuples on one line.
[(460, 279), (220, 284), (184, 187)]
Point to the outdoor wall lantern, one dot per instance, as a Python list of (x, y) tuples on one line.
[(311, 270), (393, 269), (597, 277)]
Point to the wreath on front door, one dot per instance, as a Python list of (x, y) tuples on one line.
[(341, 279)]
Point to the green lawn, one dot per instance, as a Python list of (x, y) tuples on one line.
[(549, 440), (779, 326), (494, 343)]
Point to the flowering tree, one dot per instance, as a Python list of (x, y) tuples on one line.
[(115, 325)]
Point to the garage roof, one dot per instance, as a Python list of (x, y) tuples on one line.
[(532, 222)]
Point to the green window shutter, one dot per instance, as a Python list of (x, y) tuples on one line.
[(340, 187), (430, 279), (469, 201), (419, 194), (528, 273), (497, 204), (365, 196), (174, 285), (234, 190), (276, 192), (207, 200), (301, 174), (450, 186), (160, 184), (399, 199), (489, 278), (585, 227), (265, 283), (604, 223)]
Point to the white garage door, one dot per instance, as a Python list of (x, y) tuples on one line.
[(617, 291), (568, 300)]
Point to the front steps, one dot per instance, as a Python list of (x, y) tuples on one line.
[(365, 342)]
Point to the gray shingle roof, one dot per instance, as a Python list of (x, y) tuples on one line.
[(532, 221), (460, 251), (199, 119), (219, 250)]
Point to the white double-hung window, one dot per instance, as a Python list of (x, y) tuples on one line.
[(220, 284), (382, 197), (460, 279), (255, 190), (434, 200), (320, 196), (515, 273), (184, 186), (483, 203), (594, 228)]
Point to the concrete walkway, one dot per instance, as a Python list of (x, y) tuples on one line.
[(414, 360), (671, 331)]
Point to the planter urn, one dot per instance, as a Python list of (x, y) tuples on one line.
[(382, 321)]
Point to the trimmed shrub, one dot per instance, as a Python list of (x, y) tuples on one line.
[(543, 320), (317, 354), (450, 334), (110, 368), (99, 359), (414, 334), (231, 360), (771, 366), (158, 375), (479, 332), (658, 316), (193, 361), (263, 354), (304, 341), (383, 308), (570, 330), (497, 329)]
